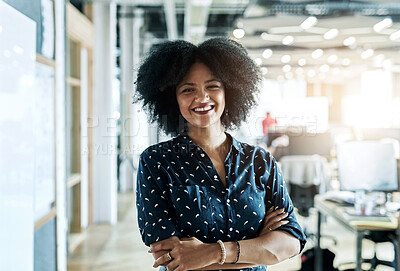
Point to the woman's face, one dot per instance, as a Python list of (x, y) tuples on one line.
[(201, 97)]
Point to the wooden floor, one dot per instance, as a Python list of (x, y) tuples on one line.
[(119, 247)]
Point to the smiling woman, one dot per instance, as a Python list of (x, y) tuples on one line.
[(205, 200)]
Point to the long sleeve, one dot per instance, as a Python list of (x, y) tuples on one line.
[(154, 210), (278, 196)]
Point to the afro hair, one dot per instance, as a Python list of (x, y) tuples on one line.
[(168, 62)]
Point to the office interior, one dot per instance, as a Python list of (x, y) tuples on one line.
[(70, 136)]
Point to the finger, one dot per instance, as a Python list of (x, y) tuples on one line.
[(274, 213), (276, 219), (158, 254), (161, 260), (172, 265), (279, 224)]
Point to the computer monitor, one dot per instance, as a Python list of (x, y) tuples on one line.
[(367, 165)]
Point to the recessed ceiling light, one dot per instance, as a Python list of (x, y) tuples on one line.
[(264, 70), (336, 70), (367, 53), (346, 62), (238, 33), (349, 41), (385, 23), (299, 70), (332, 58), (267, 53), (258, 61), (286, 68), (331, 34), (287, 40), (289, 75), (317, 53), (324, 68), (395, 35), (311, 73), (309, 22), (302, 62), (264, 35), (286, 58)]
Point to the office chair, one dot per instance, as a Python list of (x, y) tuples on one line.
[(381, 237), (306, 176)]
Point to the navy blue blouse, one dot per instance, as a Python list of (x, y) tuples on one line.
[(179, 193)]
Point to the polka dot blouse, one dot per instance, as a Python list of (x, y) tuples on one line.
[(179, 193)]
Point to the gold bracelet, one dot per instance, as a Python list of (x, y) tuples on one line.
[(223, 252)]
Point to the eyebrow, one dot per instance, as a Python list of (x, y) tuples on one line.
[(193, 84)]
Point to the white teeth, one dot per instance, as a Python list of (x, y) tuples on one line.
[(199, 109)]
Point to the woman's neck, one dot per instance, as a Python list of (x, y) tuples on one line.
[(210, 138)]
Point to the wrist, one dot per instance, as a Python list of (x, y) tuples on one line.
[(231, 252)]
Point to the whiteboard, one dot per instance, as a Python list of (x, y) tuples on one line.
[(44, 135), (17, 144)]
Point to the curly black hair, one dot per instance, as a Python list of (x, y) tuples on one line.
[(168, 62)]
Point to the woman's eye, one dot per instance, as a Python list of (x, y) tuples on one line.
[(213, 86), (187, 90)]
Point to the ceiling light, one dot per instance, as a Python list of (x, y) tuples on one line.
[(289, 75), (331, 34), (287, 40), (324, 68), (264, 70), (286, 68), (309, 22), (317, 53), (299, 71), (367, 53), (258, 61), (280, 78), (395, 35), (346, 62), (264, 35), (18, 50), (336, 71), (285, 58), (311, 73), (267, 53), (385, 23), (302, 62), (349, 41), (332, 58), (238, 33)]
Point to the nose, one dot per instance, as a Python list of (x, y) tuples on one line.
[(202, 96)]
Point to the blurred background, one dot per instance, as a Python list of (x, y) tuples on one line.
[(70, 136)]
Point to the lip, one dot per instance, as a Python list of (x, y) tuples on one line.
[(203, 109)]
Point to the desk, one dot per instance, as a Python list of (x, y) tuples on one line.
[(333, 210)]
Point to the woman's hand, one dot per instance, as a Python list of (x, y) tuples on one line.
[(187, 253), (273, 220)]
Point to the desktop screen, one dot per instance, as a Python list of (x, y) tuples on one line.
[(367, 165)]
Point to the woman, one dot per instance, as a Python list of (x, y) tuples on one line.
[(205, 200)]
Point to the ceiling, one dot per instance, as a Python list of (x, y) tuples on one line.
[(274, 29)]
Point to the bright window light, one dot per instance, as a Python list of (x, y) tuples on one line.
[(309, 22), (385, 23), (331, 34), (238, 33), (317, 53), (267, 53)]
